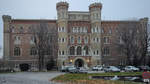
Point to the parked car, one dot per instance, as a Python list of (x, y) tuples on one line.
[(72, 69), (131, 68), (64, 68), (144, 68), (122, 68), (83, 70), (111, 69), (97, 68)]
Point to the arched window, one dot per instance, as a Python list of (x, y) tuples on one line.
[(17, 40), (21, 29), (32, 40), (17, 51), (79, 50), (86, 49), (30, 29), (12, 29), (72, 50), (63, 29), (33, 51)]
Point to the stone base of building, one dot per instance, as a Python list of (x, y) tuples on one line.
[(16, 65)]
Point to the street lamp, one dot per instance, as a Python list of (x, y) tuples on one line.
[(70, 60), (88, 60)]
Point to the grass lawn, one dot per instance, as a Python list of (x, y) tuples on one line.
[(84, 78)]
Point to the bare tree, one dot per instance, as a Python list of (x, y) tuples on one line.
[(143, 39), (132, 40), (45, 42)]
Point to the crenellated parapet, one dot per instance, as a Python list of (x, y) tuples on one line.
[(144, 23), (145, 19), (6, 18), (62, 11), (95, 6), (62, 5), (95, 12)]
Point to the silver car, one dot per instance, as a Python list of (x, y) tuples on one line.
[(111, 69), (131, 68)]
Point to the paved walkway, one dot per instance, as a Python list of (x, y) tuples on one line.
[(28, 78)]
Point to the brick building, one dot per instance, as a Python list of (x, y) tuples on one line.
[(84, 40)]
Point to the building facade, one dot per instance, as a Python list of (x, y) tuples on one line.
[(84, 40)]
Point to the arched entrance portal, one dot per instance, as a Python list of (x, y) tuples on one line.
[(79, 63), (24, 67)]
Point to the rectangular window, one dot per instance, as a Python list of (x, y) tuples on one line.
[(110, 31), (86, 40), (17, 51), (33, 51), (59, 52), (97, 52), (94, 52), (63, 53), (63, 29), (102, 30), (79, 39), (63, 40), (120, 40), (73, 30), (84, 30), (59, 39), (106, 40), (97, 40), (106, 51), (81, 30), (77, 29), (71, 39), (59, 29), (32, 40)]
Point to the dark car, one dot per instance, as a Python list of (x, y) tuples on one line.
[(144, 68), (122, 68), (64, 68)]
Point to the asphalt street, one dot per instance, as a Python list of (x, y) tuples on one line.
[(29, 78)]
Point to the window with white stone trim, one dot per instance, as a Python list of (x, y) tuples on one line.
[(17, 40)]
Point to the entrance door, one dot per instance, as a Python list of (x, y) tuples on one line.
[(79, 63)]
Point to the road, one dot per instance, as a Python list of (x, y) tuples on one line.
[(28, 77)]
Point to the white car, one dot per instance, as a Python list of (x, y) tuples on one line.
[(112, 69), (97, 68), (64, 68), (131, 68)]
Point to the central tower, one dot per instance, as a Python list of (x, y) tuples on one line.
[(95, 19), (62, 22)]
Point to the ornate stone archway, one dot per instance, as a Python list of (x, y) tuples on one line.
[(79, 62)]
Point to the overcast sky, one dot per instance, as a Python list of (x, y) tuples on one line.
[(46, 9)]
